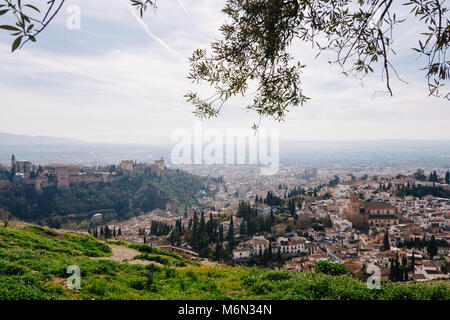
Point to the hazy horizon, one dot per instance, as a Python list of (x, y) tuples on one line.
[(397, 153)]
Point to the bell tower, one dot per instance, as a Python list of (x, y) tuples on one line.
[(354, 204), (358, 217), (354, 197)]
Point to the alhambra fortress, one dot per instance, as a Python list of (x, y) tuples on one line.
[(63, 175)]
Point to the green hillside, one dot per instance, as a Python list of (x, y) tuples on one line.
[(125, 197), (34, 260)]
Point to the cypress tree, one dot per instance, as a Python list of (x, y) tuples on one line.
[(266, 257), (432, 248), (386, 245), (269, 255), (242, 229), (107, 232), (230, 237), (221, 233)]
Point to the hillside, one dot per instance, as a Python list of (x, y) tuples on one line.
[(34, 260), (123, 198)]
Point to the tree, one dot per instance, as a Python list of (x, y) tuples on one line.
[(334, 269), (12, 174), (230, 236), (433, 177), (386, 244), (242, 228), (265, 257), (447, 177), (397, 271), (257, 38), (107, 232), (291, 206), (151, 268), (4, 216), (419, 175), (432, 248), (221, 233), (335, 181), (269, 253)]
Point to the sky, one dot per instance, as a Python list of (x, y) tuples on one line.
[(120, 79)]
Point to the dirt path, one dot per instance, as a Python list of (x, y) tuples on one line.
[(125, 255)]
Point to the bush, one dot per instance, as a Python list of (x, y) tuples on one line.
[(278, 275), (332, 269), (138, 284), (100, 267)]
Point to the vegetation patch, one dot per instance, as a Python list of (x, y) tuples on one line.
[(35, 266)]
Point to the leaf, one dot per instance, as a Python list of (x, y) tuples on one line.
[(12, 28), (2, 12), (16, 43), (32, 7)]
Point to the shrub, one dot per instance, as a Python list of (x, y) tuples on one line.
[(278, 275), (333, 269), (11, 269)]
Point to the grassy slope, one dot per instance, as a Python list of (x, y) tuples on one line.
[(33, 263)]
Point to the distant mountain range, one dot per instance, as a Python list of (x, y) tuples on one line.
[(395, 153), (7, 139)]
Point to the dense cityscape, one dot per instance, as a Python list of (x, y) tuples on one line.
[(398, 222)]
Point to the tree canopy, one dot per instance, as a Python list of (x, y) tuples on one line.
[(258, 35), (254, 49)]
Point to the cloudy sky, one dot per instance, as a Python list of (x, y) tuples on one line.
[(119, 79)]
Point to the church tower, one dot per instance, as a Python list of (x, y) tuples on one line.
[(354, 205), (357, 216), (354, 197)]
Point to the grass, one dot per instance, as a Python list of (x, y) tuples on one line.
[(163, 257), (34, 260)]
